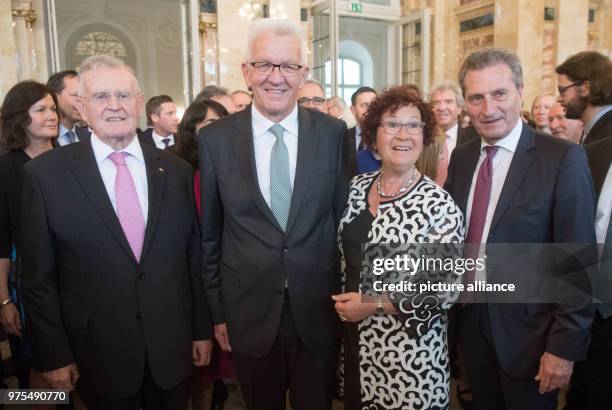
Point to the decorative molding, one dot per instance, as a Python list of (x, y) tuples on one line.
[(28, 15), (205, 25)]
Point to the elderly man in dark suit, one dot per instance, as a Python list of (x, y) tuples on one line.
[(518, 186), (113, 292), (274, 186)]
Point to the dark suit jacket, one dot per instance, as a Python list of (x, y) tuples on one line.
[(466, 134), (83, 133), (246, 255), (601, 129), (547, 197), (87, 299), (146, 137), (351, 154), (599, 154)]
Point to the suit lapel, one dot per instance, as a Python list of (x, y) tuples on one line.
[(85, 170), (308, 138), (518, 168), (242, 141), (156, 178)]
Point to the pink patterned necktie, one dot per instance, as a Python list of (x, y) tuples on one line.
[(128, 206)]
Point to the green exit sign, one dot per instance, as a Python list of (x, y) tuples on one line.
[(355, 7)]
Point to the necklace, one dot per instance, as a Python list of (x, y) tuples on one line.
[(401, 190)]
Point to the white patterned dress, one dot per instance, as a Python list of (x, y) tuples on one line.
[(401, 360)]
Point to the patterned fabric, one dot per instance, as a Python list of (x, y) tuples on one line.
[(280, 185), (129, 211), (403, 358)]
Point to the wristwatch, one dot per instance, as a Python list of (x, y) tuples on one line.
[(380, 309)]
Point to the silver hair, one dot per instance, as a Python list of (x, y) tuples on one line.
[(315, 82), (488, 57), (102, 60), (337, 101), (279, 28), (448, 86)]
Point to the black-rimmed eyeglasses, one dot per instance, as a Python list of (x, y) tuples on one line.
[(567, 87), (265, 68)]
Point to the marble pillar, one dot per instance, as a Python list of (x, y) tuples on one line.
[(232, 34), (285, 9), (572, 18), (8, 51), (519, 26)]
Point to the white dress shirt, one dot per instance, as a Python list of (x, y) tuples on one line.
[(135, 163), (604, 208), (263, 140), (159, 140), (501, 164), (62, 139)]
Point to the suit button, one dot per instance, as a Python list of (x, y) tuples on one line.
[(141, 275), (285, 249)]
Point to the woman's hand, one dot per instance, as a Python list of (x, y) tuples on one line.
[(10, 319), (350, 307)]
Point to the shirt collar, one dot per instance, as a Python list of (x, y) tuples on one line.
[(262, 124), (102, 151), (510, 141), (452, 132), (602, 111), (158, 138)]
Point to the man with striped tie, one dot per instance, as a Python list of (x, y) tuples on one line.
[(113, 292), (274, 185)]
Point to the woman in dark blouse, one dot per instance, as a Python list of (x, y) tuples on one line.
[(28, 126)]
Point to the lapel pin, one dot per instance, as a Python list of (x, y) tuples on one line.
[(161, 169)]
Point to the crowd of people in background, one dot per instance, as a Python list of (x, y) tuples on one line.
[(229, 239)]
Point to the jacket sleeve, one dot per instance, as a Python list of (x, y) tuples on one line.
[(573, 223), (40, 282), (211, 223)]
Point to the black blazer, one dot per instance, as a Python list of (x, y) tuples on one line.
[(547, 197), (601, 129), (247, 257), (11, 181), (466, 134), (146, 137), (599, 154), (351, 154), (87, 299)]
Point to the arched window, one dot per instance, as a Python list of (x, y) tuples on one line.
[(100, 43), (350, 78)]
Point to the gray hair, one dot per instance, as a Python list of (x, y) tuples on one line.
[(488, 57), (102, 60), (279, 28), (315, 82), (337, 101), (211, 91), (448, 86)]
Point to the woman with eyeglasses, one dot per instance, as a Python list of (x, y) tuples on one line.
[(28, 126), (395, 353)]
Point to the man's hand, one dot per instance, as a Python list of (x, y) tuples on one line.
[(201, 351), (64, 378), (10, 319), (350, 308), (554, 372), (221, 336)]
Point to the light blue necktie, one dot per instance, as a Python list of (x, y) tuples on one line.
[(280, 184), (70, 137)]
